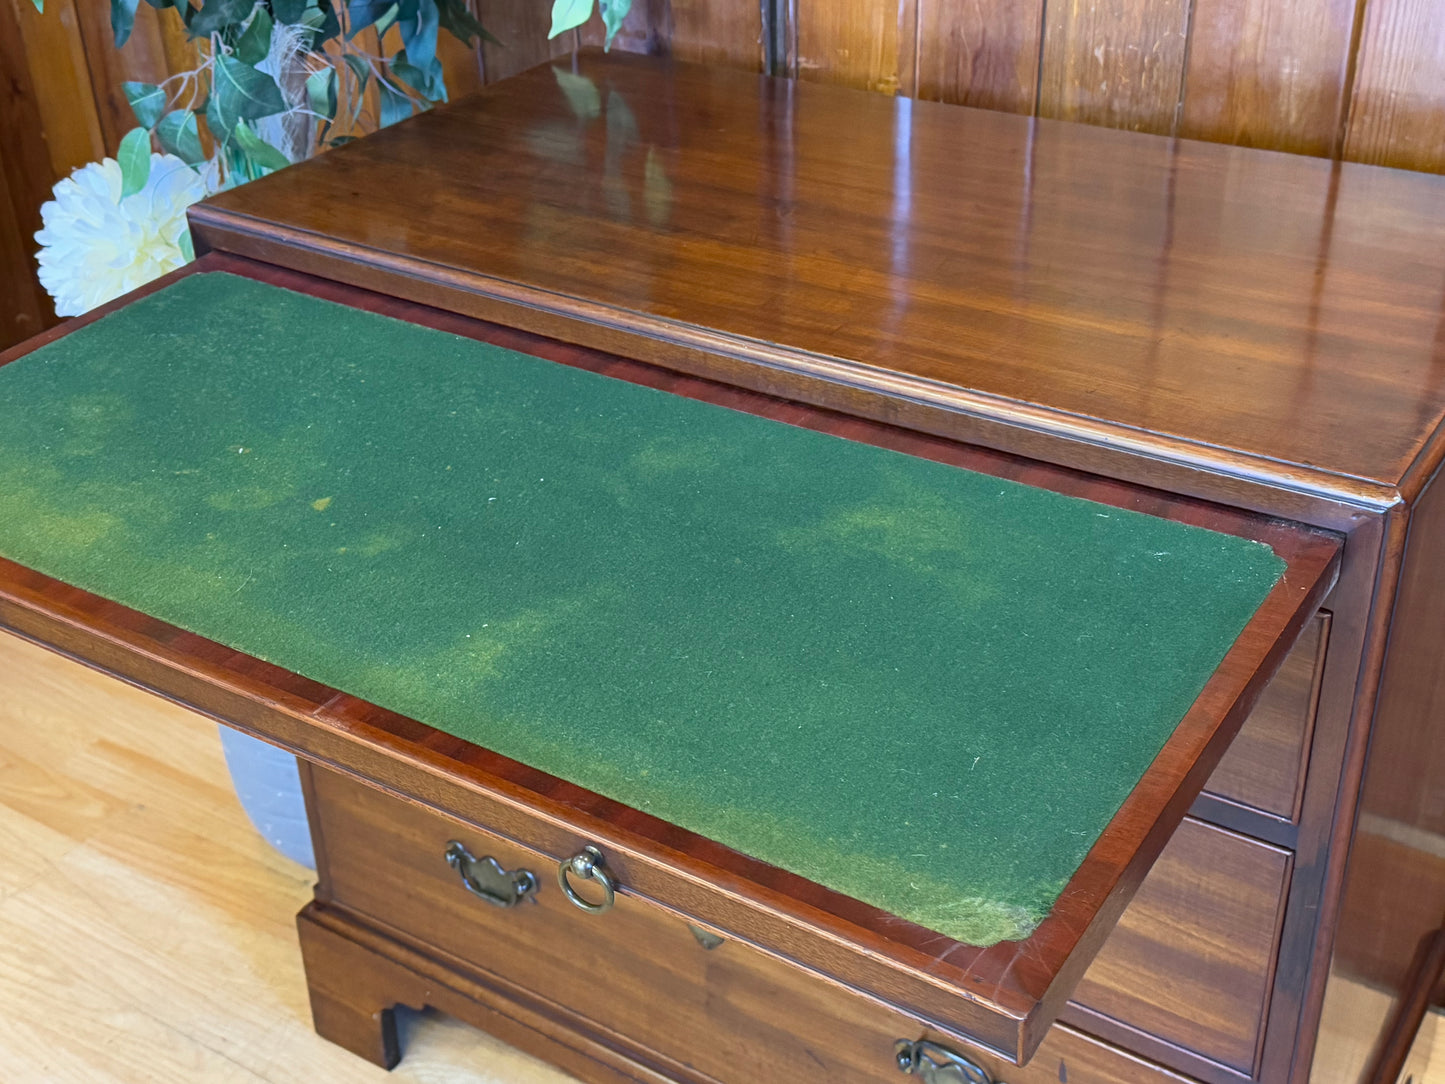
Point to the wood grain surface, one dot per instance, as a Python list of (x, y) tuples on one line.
[(135, 894), (1118, 64), (1268, 75), (1265, 766), (1259, 74), (862, 43), (1394, 895), (1192, 960), (1395, 115), (982, 53), (112, 802), (1202, 304), (1247, 72), (627, 993), (713, 33)]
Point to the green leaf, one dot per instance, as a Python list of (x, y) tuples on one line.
[(361, 70), (322, 17), (429, 82), (180, 135), (388, 17), (240, 92), (135, 161), (567, 14), (581, 93), (656, 189), (40, 6), (395, 105), (255, 43), (122, 18), (613, 12), (289, 12), (331, 25), (147, 102), (186, 245), (419, 34), (321, 92), (363, 13), (461, 24), (621, 124), (257, 150), (218, 15)]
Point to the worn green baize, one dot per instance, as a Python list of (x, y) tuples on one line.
[(924, 687)]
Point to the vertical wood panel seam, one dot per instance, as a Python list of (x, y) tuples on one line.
[(474, 7), (1272, 974), (917, 46), (1178, 120), (88, 47), (775, 23), (1039, 59), (767, 30), (1347, 92), (792, 29)]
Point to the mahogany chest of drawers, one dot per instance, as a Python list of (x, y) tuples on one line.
[(1239, 340)]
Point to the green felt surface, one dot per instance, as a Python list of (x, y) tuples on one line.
[(924, 687)]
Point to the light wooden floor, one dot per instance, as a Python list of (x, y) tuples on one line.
[(146, 932)]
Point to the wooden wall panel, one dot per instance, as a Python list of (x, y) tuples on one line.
[(157, 47), (463, 65), (860, 43), (1268, 74), (25, 177), (1118, 63), (983, 53), (710, 32), (1397, 112), (55, 52), (522, 30)]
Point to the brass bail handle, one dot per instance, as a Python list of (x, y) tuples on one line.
[(586, 865), (934, 1063), (486, 879)]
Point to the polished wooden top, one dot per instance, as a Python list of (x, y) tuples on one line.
[(1246, 311)]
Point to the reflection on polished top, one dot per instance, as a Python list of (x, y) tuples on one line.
[(1286, 308)]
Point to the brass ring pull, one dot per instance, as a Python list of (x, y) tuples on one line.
[(587, 864)]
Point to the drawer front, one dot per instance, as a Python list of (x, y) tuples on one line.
[(1265, 765), (1192, 960), (729, 1014)]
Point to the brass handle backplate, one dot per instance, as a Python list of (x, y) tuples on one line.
[(936, 1064), (485, 877)]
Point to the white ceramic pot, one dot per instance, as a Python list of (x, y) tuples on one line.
[(269, 786)]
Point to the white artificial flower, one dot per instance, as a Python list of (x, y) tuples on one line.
[(96, 246)]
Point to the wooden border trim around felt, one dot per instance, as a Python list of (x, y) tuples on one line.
[(1003, 998)]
